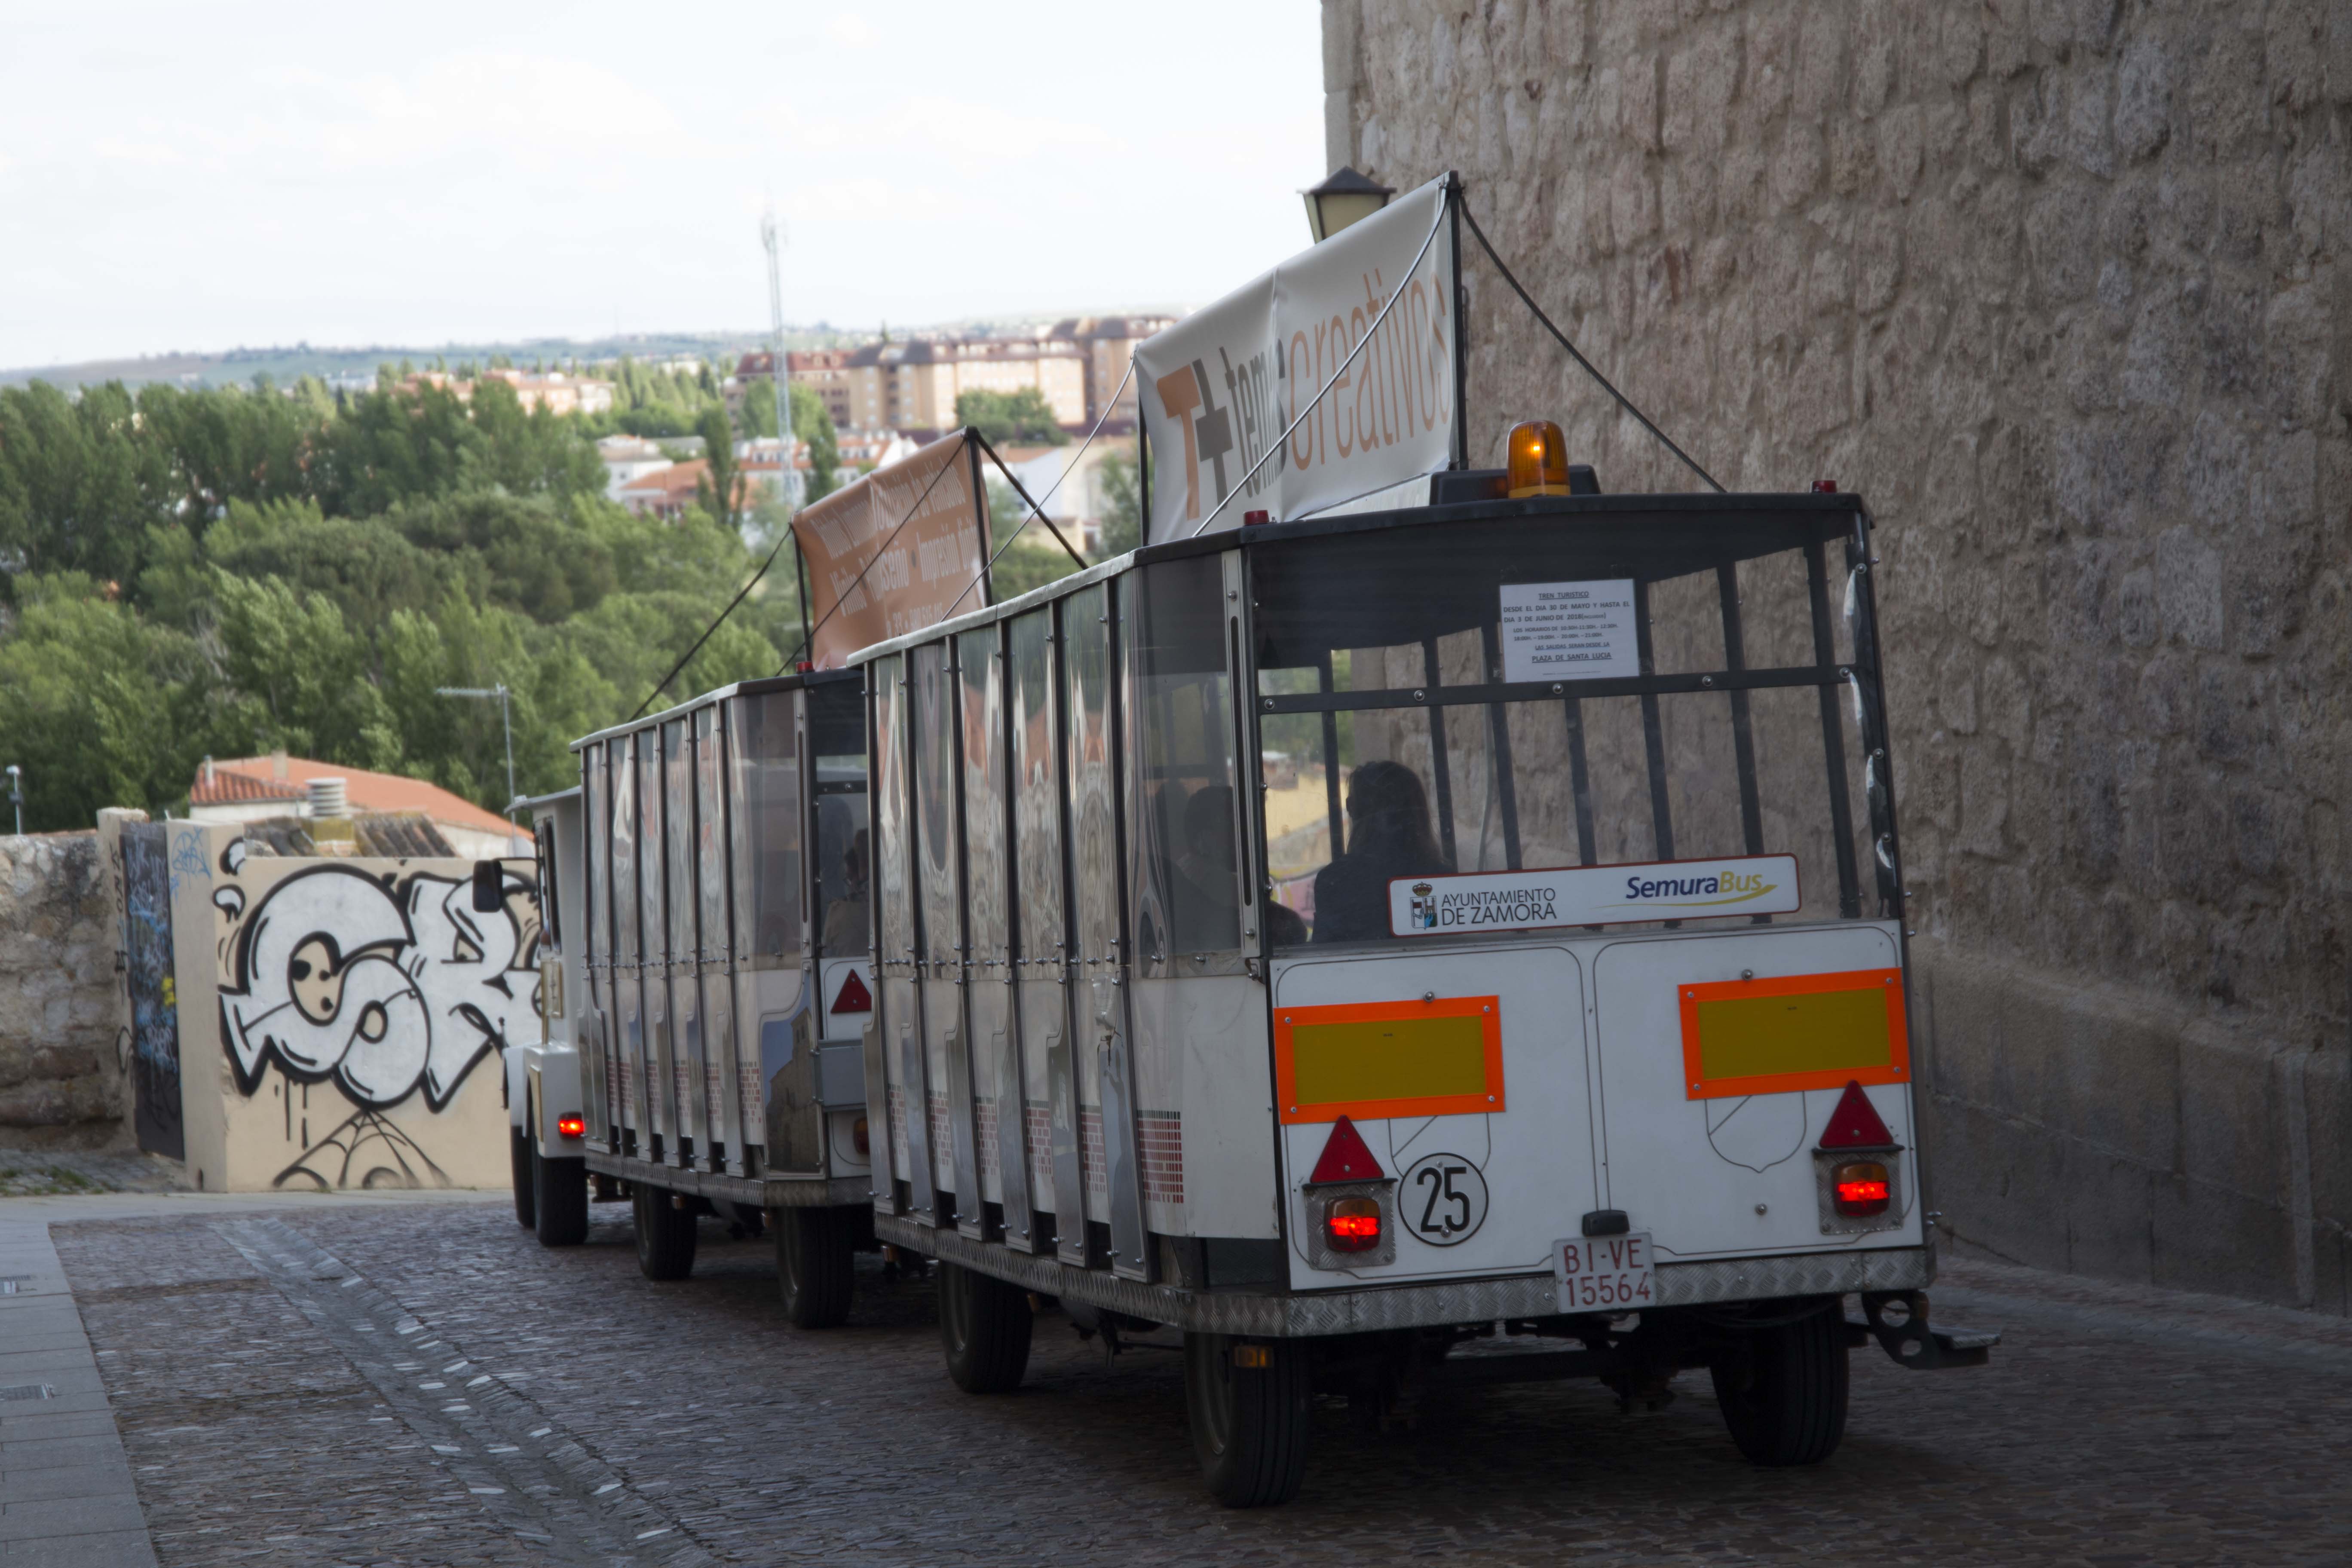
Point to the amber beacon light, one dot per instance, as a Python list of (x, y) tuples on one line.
[(1539, 465)]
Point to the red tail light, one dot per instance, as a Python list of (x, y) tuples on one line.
[(1352, 1225), (572, 1126), (1861, 1188)]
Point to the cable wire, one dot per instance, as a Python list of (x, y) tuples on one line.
[(1037, 508), (1283, 443), (1623, 401), (713, 626)]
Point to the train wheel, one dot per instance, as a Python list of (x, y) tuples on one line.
[(518, 1151), (664, 1233), (1249, 1403), (560, 1195), (1783, 1391), (985, 1326), (816, 1264)]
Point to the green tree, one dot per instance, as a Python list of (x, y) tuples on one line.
[(307, 673), (98, 707), (1009, 416), (1122, 505), (719, 493), (79, 484)]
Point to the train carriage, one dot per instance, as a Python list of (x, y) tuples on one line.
[(720, 938), (1462, 942)]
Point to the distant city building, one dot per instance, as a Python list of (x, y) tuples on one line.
[(556, 392), (1108, 342), (665, 492), (628, 459)]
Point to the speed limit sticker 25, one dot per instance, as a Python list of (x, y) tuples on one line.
[(1604, 1273)]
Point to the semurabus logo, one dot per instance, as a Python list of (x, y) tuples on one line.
[(1695, 892)]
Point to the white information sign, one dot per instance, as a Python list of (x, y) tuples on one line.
[(1569, 631), (1592, 895)]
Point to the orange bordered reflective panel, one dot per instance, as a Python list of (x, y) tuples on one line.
[(1441, 1056), (1791, 1032)]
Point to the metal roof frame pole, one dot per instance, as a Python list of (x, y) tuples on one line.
[(986, 524), (1460, 325), (800, 577)]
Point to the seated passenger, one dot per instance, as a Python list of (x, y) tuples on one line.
[(1208, 909), (1388, 836), (846, 930)]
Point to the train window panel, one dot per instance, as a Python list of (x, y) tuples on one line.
[(596, 848), (1094, 808), (653, 932), (765, 762), (893, 857), (1184, 876), (677, 807), (844, 858), (937, 893), (1410, 731), (710, 837), (1036, 789), (980, 723)]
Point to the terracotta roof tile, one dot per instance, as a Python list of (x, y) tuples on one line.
[(255, 778)]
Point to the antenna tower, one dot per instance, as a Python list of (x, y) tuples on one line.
[(788, 479)]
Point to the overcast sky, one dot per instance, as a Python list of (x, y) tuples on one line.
[(201, 177)]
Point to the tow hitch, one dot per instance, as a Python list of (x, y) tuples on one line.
[(1898, 1320)]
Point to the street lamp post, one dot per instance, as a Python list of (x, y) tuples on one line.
[(505, 717), (1344, 198)]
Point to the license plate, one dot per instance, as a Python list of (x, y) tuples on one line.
[(1604, 1273)]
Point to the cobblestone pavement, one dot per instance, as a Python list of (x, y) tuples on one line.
[(556, 1407)]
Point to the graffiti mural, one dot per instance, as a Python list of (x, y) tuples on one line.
[(336, 1014), (154, 1003), (387, 984)]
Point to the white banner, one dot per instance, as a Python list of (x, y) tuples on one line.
[(1219, 387), (1592, 895)]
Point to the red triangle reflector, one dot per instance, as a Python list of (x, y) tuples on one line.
[(853, 997), (1855, 1123), (1345, 1158)]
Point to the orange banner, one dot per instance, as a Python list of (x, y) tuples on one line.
[(890, 555)]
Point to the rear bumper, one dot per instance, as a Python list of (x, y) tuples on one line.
[(1432, 1305)]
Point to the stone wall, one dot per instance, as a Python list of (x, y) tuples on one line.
[(62, 1010), (2062, 289)]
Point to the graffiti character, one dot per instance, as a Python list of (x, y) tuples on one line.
[(383, 985)]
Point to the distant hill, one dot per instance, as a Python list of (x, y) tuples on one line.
[(285, 365)]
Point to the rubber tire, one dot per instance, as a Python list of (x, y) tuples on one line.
[(1785, 1399), (1250, 1426), (560, 1193), (664, 1233), (984, 1327), (526, 1202), (816, 1269)]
